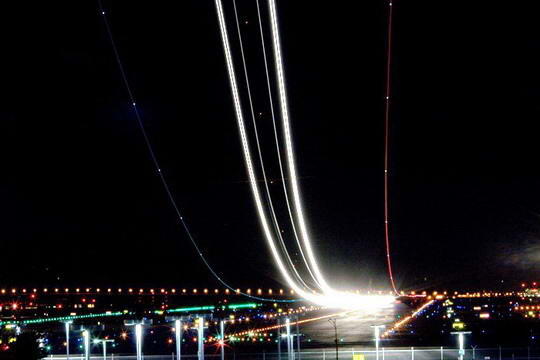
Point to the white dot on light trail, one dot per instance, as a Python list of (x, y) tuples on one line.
[(289, 148), (273, 217), (329, 297)]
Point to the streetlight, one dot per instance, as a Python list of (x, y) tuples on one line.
[(222, 340), (104, 343), (290, 349), (279, 338), (86, 338), (298, 336), (67, 324), (333, 321), (200, 334), (178, 334), (461, 342), (377, 330), (138, 340)]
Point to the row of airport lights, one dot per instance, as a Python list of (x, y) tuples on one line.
[(259, 291), (143, 291), (164, 291)]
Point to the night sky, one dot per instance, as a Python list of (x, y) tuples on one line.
[(81, 202)]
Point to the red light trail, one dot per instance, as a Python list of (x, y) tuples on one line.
[(387, 149)]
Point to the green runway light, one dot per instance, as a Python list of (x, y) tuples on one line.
[(242, 306), (125, 312), (209, 307), (63, 318), (193, 308)]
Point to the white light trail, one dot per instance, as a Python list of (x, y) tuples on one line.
[(289, 148), (291, 165), (258, 147), (276, 139), (329, 298), (247, 157)]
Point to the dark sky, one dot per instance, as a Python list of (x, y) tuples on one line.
[(80, 199)]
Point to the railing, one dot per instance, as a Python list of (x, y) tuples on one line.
[(347, 354)]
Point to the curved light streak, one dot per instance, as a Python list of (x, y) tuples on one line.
[(293, 179), (329, 298), (289, 148), (247, 157), (157, 166), (263, 171), (387, 149), (289, 210)]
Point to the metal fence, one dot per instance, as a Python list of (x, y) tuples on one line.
[(348, 354)]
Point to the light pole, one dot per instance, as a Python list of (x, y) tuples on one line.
[(333, 321), (377, 331), (279, 338), (138, 340), (201, 338), (104, 344), (289, 339), (298, 337), (86, 338), (67, 324), (178, 335), (222, 340), (461, 342)]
